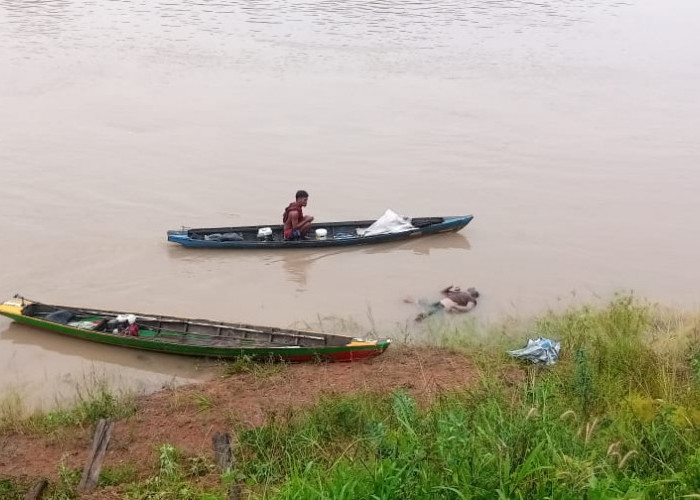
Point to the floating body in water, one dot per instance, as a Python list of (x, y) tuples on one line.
[(455, 300)]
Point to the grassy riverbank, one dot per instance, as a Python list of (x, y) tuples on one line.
[(618, 416)]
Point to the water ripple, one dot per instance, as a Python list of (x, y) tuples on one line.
[(380, 20)]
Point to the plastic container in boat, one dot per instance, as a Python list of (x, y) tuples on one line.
[(321, 234), (265, 233)]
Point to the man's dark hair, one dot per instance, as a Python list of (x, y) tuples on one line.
[(302, 194)]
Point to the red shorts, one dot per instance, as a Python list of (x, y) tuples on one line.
[(292, 234)]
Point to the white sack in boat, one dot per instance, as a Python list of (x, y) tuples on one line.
[(389, 223)]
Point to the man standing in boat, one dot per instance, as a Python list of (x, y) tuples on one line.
[(296, 224)]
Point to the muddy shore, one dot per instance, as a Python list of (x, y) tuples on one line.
[(179, 417)]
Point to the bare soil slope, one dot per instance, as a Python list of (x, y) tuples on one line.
[(187, 417)]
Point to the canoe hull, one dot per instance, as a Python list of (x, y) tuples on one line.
[(354, 350), (195, 237)]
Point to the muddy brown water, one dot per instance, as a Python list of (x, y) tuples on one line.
[(568, 128)]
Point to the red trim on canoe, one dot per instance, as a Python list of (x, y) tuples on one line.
[(341, 357)]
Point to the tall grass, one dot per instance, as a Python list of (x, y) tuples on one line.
[(13, 489), (259, 368), (176, 479), (93, 401), (471, 445), (617, 417)]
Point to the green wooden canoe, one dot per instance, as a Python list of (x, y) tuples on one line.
[(194, 337)]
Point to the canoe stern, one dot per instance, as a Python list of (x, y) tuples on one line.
[(13, 307), (178, 236)]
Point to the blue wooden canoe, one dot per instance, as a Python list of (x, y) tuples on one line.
[(344, 233)]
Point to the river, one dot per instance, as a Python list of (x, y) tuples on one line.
[(569, 129)]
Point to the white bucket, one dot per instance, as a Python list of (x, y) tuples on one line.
[(264, 232), (321, 234)]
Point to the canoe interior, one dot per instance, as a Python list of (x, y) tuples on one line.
[(165, 329), (336, 230)]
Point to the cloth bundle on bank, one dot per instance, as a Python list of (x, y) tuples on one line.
[(541, 351), (390, 222)]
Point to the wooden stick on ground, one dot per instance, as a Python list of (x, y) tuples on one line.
[(223, 454), (91, 472), (37, 490), (222, 451)]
